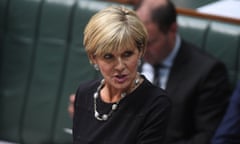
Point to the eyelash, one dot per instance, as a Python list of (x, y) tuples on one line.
[(128, 53), (107, 56), (125, 55)]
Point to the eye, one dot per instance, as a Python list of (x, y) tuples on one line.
[(128, 53), (108, 56)]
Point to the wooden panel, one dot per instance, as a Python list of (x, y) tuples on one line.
[(194, 13)]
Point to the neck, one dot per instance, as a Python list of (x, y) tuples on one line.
[(110, 96)]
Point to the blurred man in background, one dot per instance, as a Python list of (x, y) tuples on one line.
[(196, 82)]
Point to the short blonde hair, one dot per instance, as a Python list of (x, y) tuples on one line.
[(112, 29)]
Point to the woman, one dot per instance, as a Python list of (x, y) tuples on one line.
[(123, 107)]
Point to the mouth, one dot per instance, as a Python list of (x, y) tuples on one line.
[(120, 78)]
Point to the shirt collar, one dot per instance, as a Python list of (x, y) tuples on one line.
[(168, 61)]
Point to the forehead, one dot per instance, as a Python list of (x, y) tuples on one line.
[(151, 4), (144, 12), (119, 50), (114, 49), (152, 29)]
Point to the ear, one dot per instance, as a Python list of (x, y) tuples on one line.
[(142, 51), (172, 31), (173, 28), (141, 54), (92, 58)]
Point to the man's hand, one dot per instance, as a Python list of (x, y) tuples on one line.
[(71, 105)]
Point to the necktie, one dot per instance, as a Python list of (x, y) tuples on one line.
[(156, 77)]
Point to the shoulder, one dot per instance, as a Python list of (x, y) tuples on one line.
[(149, 88), (86, 88), (152, 94), (196, 56)]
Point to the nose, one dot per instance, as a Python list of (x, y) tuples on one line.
[(120, 64)]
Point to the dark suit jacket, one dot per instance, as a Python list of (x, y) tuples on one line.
[(199, 89), (229, 130)]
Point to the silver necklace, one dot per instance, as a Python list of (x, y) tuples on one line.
[(104, 117)]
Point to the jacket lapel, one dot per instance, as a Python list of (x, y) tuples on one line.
[(177, 72)]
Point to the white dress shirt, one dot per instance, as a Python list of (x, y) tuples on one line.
[(148, 70)]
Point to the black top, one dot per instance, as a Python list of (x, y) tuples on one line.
[(141, 117)]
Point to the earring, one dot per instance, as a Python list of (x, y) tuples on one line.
[(96, 67), (139, 62)]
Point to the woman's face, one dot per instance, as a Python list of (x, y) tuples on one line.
[(119, 69)]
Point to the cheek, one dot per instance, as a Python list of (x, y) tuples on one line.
[(155, 49), (105, 68), (133, 64), (159, 47)]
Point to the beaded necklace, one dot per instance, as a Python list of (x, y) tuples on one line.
[(104, 117)]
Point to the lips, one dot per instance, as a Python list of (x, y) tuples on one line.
[(120, 78)]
